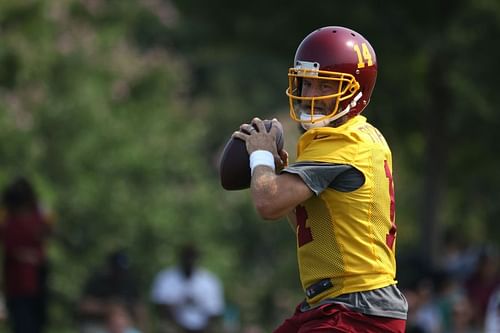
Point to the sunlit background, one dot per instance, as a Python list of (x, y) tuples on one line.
[(117, 111)]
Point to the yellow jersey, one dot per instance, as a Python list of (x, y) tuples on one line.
[(347, 238)]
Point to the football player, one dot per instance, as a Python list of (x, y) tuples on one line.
[(339, 194)]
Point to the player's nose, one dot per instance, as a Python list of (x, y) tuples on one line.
[(311, 91)]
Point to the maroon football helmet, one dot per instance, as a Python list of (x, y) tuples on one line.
[(343, 64)]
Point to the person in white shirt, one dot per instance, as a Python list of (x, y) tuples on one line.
[(492, 319), (188, 298)]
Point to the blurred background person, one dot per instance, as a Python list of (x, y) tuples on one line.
[(187, 297), (113, 284), (120, 319), (482, 282), (24, 229), (492, 320), (423, 315)]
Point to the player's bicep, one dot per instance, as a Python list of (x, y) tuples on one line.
[(293, 190)]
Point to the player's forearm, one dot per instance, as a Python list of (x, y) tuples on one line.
[(267, 194)]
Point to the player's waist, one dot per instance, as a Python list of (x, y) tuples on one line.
[(386, 301), (319, 287), (333, 287)]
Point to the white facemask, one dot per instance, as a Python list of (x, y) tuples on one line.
[(307, 117)]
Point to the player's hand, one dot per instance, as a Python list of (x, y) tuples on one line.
[(281, 160), (256, 136)]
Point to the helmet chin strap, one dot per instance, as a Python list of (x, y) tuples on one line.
[(328, 121)]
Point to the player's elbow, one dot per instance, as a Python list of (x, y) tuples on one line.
[(267, 210)]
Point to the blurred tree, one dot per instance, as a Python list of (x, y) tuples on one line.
[(104, 123), (118, 109)]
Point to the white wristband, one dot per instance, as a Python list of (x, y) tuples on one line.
[(261, 157)]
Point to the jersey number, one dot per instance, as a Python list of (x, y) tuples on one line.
[(391, 236), (363, 54), (304, 234)]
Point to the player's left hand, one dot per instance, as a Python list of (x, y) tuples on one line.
[(282, 161)]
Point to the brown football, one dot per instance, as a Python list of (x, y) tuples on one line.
[(234, 166)]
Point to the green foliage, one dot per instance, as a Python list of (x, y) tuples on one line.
[(118, 110)]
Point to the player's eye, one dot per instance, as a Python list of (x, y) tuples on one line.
[(328, 87)]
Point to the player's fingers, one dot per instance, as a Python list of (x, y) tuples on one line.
[(246, 128), (279, 162), (275, 126), (259, 124), (284, 156), (240, 135)]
